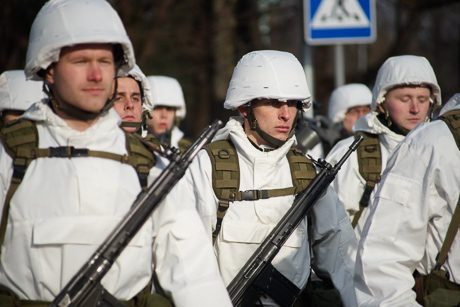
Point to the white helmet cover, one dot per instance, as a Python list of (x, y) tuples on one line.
[(345, 97), (138, 75), (404, 70), (17, 93), (166, 91), (65, 23), (267, 74)]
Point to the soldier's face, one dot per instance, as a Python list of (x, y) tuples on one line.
[(83, 76), (128, 102), (408, 106), (274, 117)]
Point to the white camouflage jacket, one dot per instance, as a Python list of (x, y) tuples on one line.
[(247, 223), (65, 208), (409, 219), (349, 184)]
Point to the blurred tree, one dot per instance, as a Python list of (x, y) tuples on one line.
[(199, 42)]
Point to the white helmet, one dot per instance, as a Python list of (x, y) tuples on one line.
[(405, 70), (16, 93), (345, 97), (138, 75), (166, 91), (267, 74), (64, 23)]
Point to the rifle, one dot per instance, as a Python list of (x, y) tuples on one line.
[(84, 289), (258, 276)]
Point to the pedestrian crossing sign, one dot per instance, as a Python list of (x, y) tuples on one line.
[(339, 21)]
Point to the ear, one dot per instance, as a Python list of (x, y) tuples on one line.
[(49, 75), (242, 110), (381, 108)]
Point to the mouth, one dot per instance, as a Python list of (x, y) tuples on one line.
[(128, 118), (284, 129), (93, 91)]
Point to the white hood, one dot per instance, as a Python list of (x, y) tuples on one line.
[(371, 124), (404, 70), (40, 111)]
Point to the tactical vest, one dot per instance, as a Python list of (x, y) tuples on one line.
[(226, 177), (370, 168), (20, 140)]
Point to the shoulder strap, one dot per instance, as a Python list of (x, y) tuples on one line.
[(370, 168), (226, 177), (141, 158), (20, 140), (153, 142), (449, 239)]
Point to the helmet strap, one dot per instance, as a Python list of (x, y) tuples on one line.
[(254, 126), (75, 112)]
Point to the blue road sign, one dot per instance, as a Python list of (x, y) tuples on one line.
[(339, 21)]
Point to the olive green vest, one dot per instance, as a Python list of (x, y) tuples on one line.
[(20, 140), (226, 177)]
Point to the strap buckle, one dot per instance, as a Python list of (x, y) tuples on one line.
[(254, 194), (66, 152)]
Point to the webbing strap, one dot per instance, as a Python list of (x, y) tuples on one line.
[(370, 168), (20, 140), (225, 178), (450, 236)]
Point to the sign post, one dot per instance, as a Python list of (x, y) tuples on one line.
[(338, 22)]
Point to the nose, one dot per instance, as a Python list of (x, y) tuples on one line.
[(94, 73), (129, 104), (414, 107), (284, 112)]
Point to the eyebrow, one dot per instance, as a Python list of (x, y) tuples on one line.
[(125, 93)]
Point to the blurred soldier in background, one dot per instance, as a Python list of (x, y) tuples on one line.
[(169, 110), (17, 94)]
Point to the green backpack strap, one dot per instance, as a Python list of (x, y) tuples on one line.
[(140, 157), (20, 140), (226, 177), (370, 168)]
